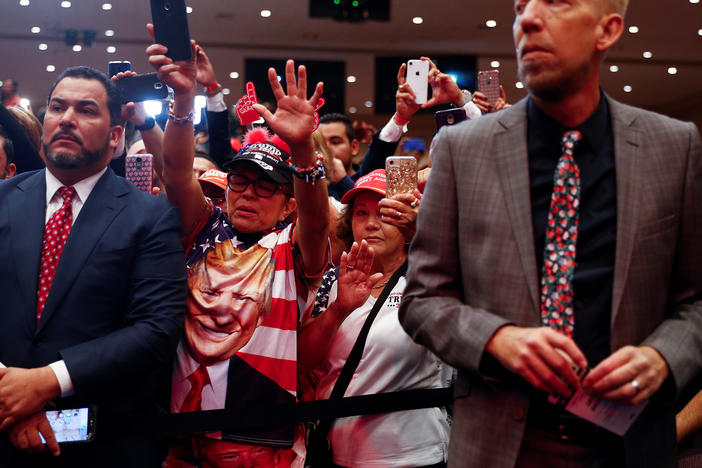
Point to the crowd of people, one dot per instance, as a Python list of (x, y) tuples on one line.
[(547, 266)]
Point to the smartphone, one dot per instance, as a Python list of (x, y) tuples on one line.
[(139, 88), (170, 21), (139, 171), (449, 117), (72, 425), (115, 67), (489, 85), (400, 175), (418, 79)]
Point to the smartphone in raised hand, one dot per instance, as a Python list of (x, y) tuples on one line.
[(489, 85), (170, 20), (400, 175)]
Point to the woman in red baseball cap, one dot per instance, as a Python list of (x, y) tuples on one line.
[(376, 230)]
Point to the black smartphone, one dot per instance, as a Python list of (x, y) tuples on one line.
[(139, 88), (449, 117), (72, 425), (115, 67), (170, 20)]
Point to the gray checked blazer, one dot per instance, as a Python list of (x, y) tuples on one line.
[(472, 269)]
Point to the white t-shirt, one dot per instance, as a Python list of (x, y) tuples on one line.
[(391, 362)]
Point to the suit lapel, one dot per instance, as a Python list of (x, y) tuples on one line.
[(99, 211), (27, 212), (627, 141), (513, 169)]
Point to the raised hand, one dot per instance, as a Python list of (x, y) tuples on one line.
[(481, 101), (443, 89), (178, 75), (205, 74), (293, 120), (401, 211), (405, 104), (355, 280)]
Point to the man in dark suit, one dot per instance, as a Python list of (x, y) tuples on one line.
[(477, 294), (103, 314)]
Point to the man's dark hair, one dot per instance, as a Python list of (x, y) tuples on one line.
[(114, 97), (336, 117), (8, 147)]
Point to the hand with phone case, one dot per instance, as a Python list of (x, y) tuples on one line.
[(444, 89), (170, 21), (180, 76)]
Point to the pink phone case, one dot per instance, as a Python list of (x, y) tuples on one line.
[(139, 171), (489, 85)]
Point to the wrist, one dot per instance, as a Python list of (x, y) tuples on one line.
[(399, 120), (50, 385)]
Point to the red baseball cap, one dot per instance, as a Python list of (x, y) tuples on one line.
[(374, 181), (214, 177)]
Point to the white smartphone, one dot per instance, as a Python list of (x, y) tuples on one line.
[(418, 79)]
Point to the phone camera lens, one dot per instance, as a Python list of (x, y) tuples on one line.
[(167, 6), (158, 85), (416, 73)]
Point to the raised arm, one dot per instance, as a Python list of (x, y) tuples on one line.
[(182, 187), (293, 121)]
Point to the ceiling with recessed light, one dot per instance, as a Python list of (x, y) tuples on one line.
[(657, 64)]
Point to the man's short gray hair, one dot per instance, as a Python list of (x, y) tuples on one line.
[(618, 6)]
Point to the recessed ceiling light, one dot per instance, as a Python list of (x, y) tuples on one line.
[(265, 13), (234, 75), (352, 110), (613, 68), (106, 6), (694, 1), (495, 64), (188, 9), (627, 89), (65, 4), (280, 78), (417, 20), (699, 32), (50, 68), (35, 29), (519, 84), (633, 29), (491, 23), (109, 33), (672, 71), (368, 103), (226, 91), (24, 2), (43, 46), (111, 49), (647, 54), (351, 79), (77, 48)]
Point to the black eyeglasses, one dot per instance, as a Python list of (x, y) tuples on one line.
[(263, 186)]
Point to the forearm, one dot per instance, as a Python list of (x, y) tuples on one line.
[(178, 144), (153, 143), (689, 419), (316, 336), (312, 213)]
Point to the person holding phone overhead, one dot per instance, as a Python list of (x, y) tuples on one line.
[(562, 233), (375, 230), (248, 265), (93, 288)]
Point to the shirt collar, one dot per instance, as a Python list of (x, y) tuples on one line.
[(186, 365), (593, 129), (83, 187)]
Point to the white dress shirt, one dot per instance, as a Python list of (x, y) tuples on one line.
[(53, 203)]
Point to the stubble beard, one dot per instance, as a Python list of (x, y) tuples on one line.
[(554, 84)]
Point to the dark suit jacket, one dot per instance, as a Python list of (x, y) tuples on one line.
[(115, 309), (472, 269)]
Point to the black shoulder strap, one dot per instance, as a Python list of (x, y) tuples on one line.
[(354, 358)]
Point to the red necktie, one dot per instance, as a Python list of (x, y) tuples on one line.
[(561, 240), (193, 400), (55, 234)]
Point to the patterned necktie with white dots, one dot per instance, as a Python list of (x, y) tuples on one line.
[(561, 240), (55, 234)]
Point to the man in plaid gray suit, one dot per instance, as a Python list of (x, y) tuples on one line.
[(476, 263)]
